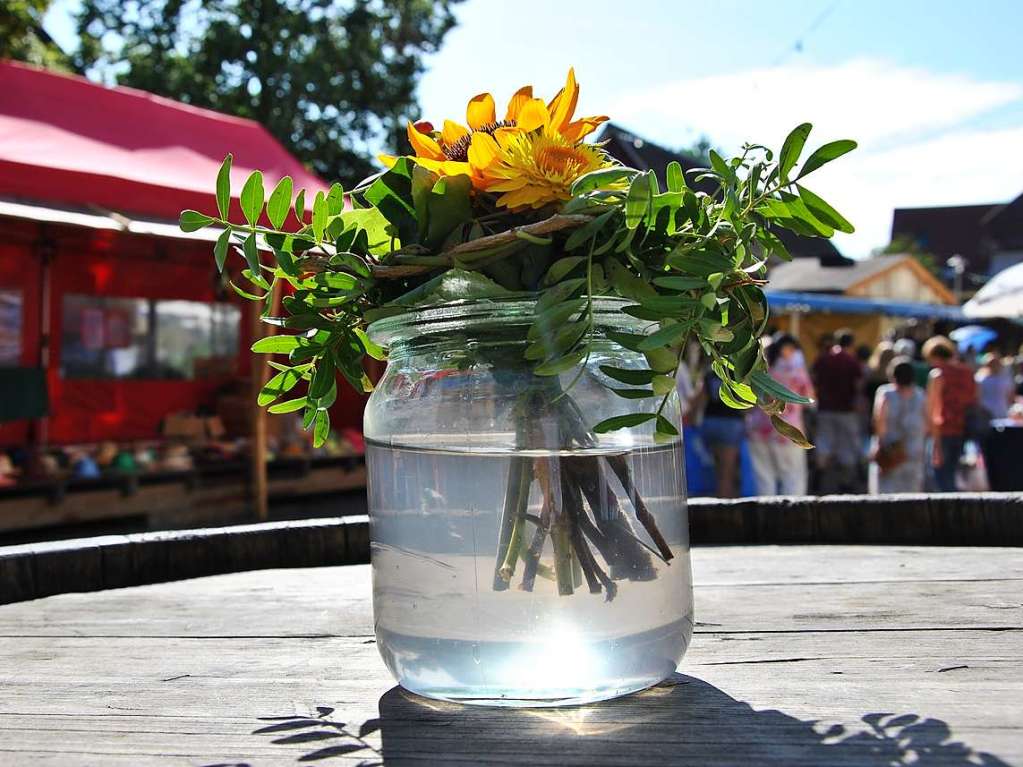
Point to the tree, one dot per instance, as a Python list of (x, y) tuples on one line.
[(23, 38), (333, 80), (699, 150)]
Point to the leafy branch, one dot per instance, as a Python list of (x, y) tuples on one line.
[(690, 259)]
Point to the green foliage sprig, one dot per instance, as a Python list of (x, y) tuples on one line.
[(690, 258)]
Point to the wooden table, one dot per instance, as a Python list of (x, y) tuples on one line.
[(809, 655)]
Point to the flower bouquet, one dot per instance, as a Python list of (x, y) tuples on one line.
[(519, 209)]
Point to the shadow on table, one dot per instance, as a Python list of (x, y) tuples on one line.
[(682, 721)]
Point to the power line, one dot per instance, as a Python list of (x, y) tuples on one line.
[(797, 45)]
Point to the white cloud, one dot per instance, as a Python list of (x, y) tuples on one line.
[(917, 143)]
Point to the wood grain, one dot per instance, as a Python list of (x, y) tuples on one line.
[(803, 655)]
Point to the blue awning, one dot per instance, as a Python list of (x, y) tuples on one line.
[(782, 302)]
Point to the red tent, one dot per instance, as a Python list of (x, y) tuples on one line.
[(66, 139), (91, 182)]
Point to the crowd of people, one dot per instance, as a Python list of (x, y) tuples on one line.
[(899, 418)]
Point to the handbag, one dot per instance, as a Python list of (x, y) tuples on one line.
[(890, 456), (893, 454)]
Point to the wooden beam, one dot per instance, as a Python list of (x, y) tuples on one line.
[(257, 442)]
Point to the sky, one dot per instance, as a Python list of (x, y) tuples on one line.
[(932, 91)]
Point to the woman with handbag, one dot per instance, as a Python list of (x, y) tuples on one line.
[(900, 427)]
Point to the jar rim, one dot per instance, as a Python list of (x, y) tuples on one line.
[(487, 313)]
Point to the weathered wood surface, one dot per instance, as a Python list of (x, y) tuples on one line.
[(37, 570), (806, 655)]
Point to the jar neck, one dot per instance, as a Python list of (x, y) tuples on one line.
[(495, 329)]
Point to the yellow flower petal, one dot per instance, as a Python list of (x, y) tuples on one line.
[(509, 184), (562, 106), (423, 145), (480, 111), (584, 126), (533, 115), (453, 132), (484, 151), (522, 95), (505, 136), (387, 159)]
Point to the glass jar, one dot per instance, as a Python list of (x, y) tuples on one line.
[(519, 558)]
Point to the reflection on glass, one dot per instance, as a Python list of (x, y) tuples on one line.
[(141, 338)]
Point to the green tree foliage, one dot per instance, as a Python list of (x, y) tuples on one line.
[(333, 80), (22, 36)]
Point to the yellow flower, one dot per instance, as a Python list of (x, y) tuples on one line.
[(532, 156), (532, 169)]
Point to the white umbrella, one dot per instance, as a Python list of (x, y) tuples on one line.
[(1002, 296)]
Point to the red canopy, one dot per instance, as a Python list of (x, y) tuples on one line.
[(66, 139)]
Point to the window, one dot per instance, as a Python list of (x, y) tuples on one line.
[(10, 327), (145, 339)]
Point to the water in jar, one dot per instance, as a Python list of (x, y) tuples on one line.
[(446, 632)]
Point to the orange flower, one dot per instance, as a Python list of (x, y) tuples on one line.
[(532, 155)]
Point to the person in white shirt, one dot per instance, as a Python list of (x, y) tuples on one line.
[(996, 387)]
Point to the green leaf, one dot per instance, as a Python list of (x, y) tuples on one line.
[(560, 365), (721, 167), (637, 203), (448, 206), (675, 177), (323, 378), (300, 206), (790, 432), (224, 188), (251, 253), (628, 375), (279, 344), (791, 149), (663, 360), (220, 249), (371, 348), (288, 406), (391, 194), (666, 336), (601, 179), (193, 220), (629, 341), (554, 317), (252, 197), (698, 262), (374, 227), (822, 211), (622, 422), (680, 283), (627, 284), (764, 384), (247, 296), (320, 215), (280, 202), (560, 269), (589, 230), (664, 426), (662, 384), (558, 293), (352, 262), (335, 280), (321, 428), (633, 393), (327, 400), (826, 154), (280, 384), (335, 199)]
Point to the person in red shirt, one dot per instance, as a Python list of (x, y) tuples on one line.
[(838, 379), (951, 392)]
